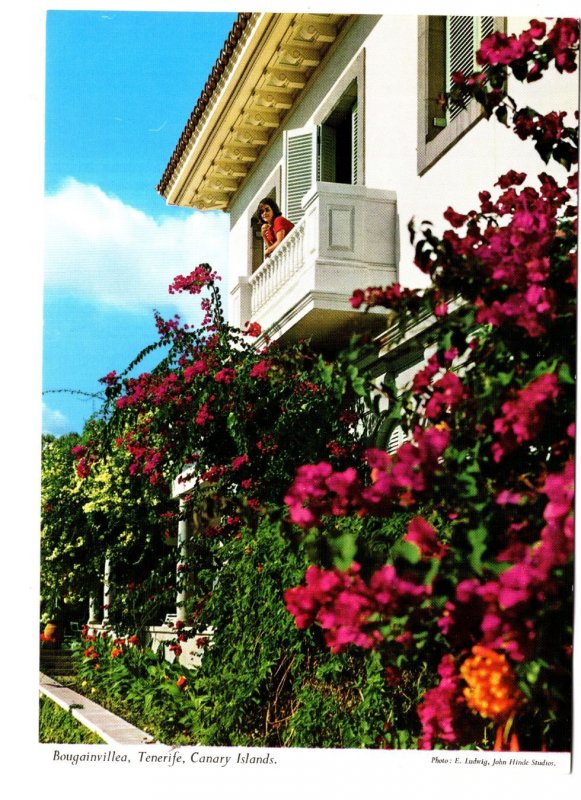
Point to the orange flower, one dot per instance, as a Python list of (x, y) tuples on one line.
[(492, 689), (115, 652), (181, 682)]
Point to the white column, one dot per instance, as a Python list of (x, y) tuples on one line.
[(182, 581), (106, 590), (93, 619)]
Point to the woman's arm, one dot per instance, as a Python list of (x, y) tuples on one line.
[(280, 234)]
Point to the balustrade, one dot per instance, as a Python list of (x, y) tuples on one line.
[(346, 239)]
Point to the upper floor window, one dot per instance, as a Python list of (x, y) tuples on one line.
[(328, 150), (446, 44)]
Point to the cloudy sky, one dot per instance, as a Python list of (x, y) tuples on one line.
[(120, 87)]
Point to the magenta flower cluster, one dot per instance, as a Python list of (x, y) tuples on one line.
[(318, 490), (348, 609), (523, 418), (203, 275)]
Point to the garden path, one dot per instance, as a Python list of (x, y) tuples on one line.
[(111, 728)]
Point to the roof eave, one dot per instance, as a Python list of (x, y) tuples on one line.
[(274, 57)]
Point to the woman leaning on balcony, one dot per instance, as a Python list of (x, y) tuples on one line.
[(274, 226)]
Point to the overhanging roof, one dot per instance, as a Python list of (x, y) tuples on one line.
[(265, 64)]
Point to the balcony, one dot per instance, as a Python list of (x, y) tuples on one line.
[(346, 240)]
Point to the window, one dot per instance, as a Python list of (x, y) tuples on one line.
[(337, 144), (445, 45), (326, 152), (329, 150)]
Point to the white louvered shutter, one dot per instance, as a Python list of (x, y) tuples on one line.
[(300, 161), (463, 37), (396, 439)]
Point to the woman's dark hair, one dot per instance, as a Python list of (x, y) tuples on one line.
[(276, 212)]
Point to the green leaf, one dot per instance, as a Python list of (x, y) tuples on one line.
[(544, 367), (533, 671), (432, 571), (343, 549), (502, 114), (477, 538), (505, 378), (326, 370), (469, 485), (406, 550), (564, 375)]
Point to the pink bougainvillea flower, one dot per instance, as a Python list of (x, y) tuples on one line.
[(443, 711), (225, 375), (252, 329), (523, 417), (348, 609), (261, 370), (425, 537), (239, 461), (201, 276)]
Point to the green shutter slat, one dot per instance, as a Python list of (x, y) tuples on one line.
[(327, 149)]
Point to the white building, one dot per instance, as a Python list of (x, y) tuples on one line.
[(337, 118)]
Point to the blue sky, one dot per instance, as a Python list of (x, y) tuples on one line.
[(120, 87)]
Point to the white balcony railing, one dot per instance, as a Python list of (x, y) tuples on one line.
[(274, 273), (345, 240)]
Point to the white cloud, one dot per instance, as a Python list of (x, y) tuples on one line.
[(54, 421), (100, 249)]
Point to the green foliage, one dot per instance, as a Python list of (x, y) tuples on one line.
[(261, 681), (58, 726)]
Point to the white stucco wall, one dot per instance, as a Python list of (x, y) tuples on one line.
[(474, 163)]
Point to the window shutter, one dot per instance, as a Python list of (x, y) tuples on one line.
[(300, 169), (463, 37), (486, 28), (327, 154), (396, 440), (354, 142), (460, 51)]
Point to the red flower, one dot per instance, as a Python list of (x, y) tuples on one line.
[(193, 283), (181, 682), (225, 376), (239, 462), (455, 219), (252, 329), (425, 537), (261, 369)]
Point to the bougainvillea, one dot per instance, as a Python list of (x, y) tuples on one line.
[(445, 565), (490, 447)]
